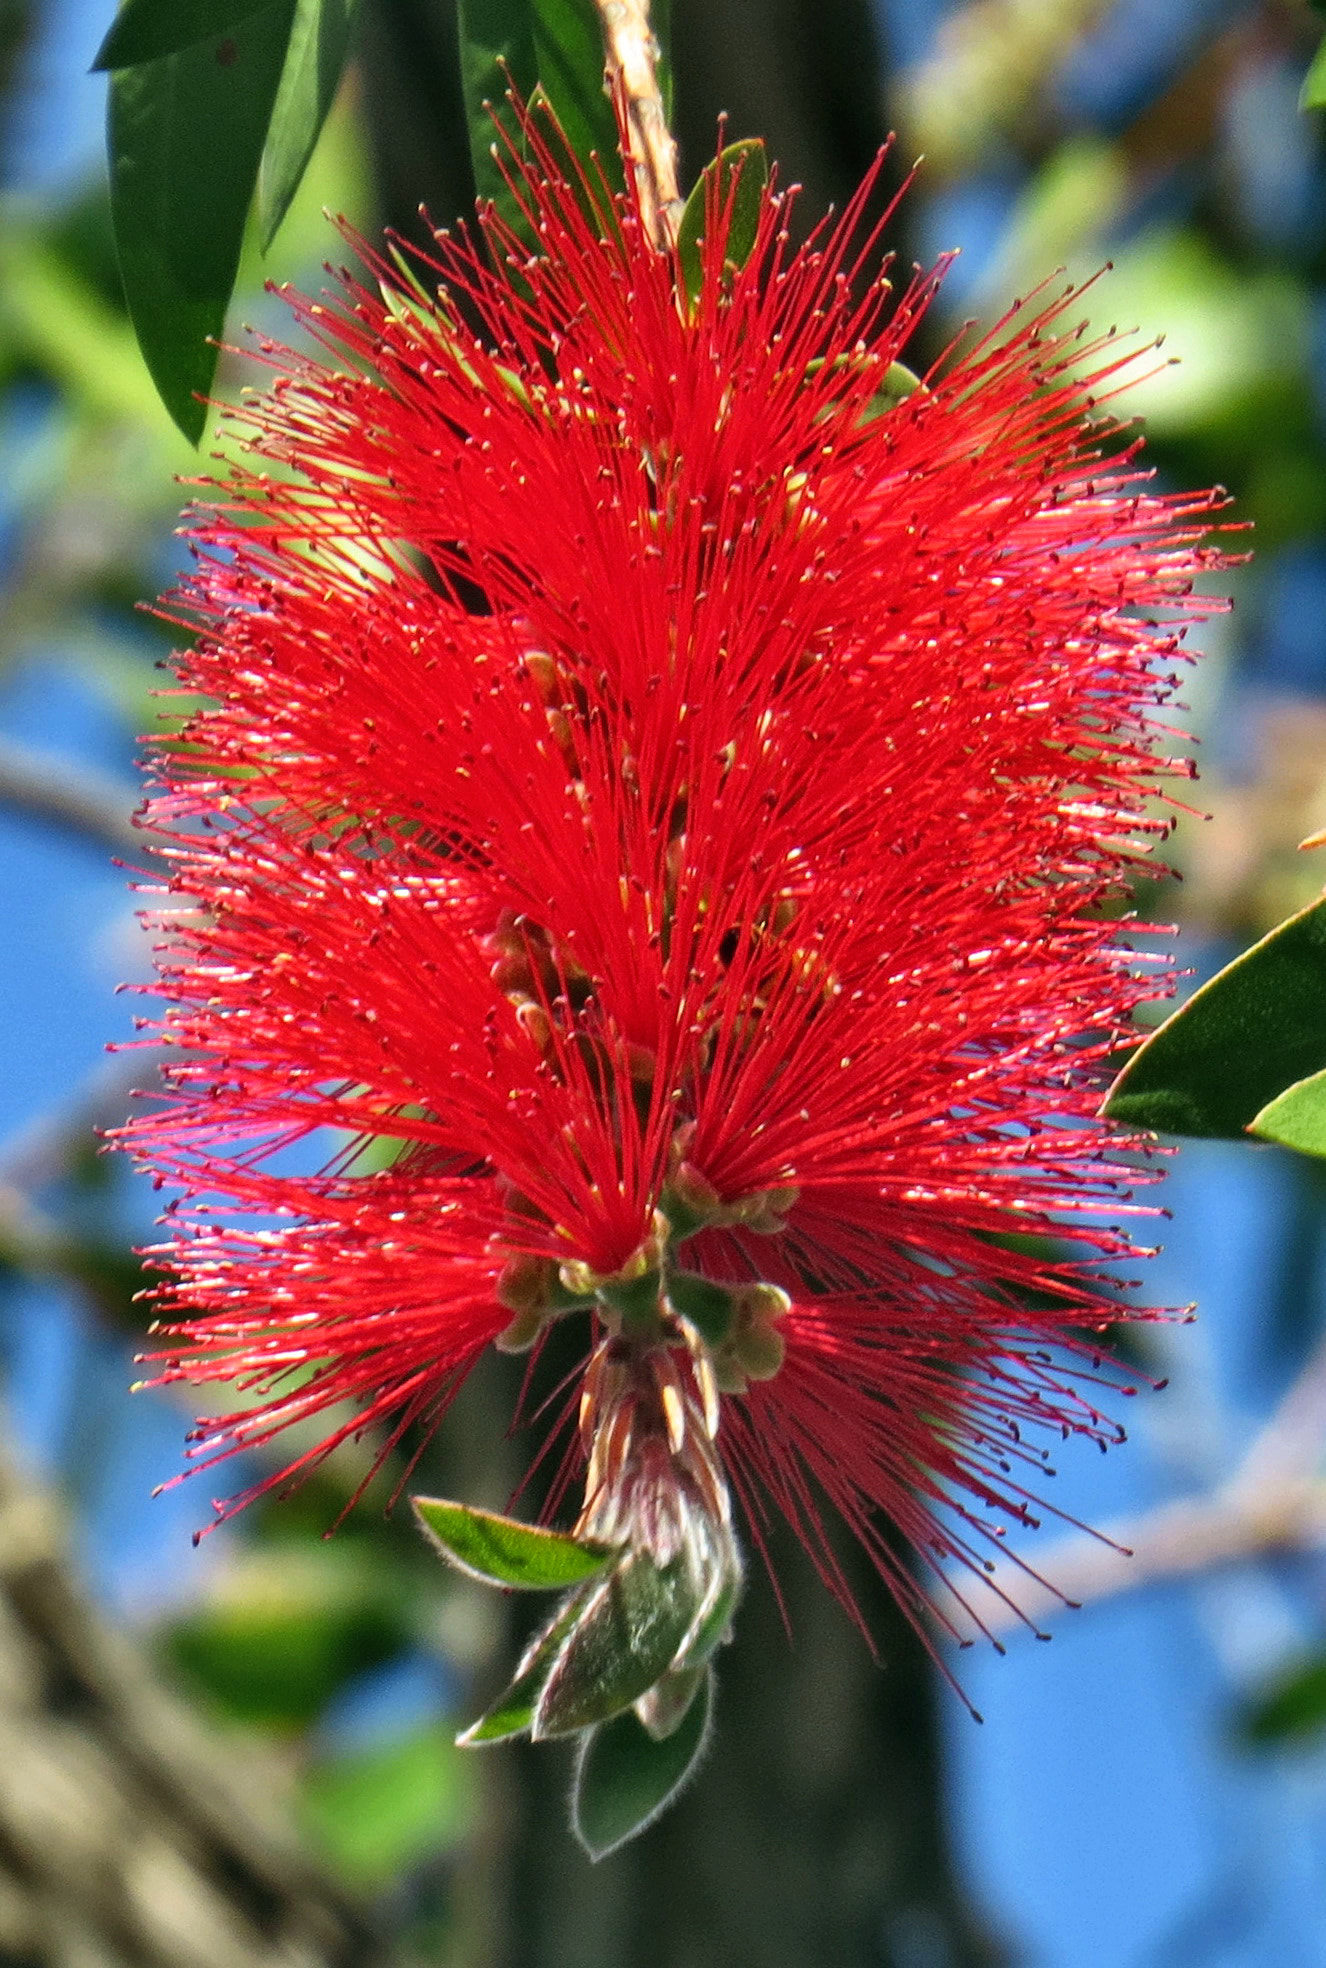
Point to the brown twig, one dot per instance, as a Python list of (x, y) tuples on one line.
[(632, 55), (74, 796)]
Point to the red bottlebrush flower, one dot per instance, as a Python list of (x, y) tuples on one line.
[(673, 789)]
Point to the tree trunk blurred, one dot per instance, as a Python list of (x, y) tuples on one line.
[(130, 1837)]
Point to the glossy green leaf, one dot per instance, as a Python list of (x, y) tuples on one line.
[(1255, 1029), (319, 42), (1296, 1118), (625, 1638), (625, 1777), (503, 1551), (738, 174), (146, 30), (185, 136), (1313, 93), (552, 47)]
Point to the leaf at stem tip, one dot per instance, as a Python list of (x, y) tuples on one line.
[(185, 135), (625, 1777), (737, 178), (319, 42), (145, 30), (1257, 1028), (503, 1551)]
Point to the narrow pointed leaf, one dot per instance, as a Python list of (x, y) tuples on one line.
[(512, 1714), (185, 135), (1296, 1118), (625, 1777), (319, 42), (740, 173), (550, 46), (624, 1640), (145, 30), (503, 1551), (1255, 1029)]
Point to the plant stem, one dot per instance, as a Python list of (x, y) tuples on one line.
[(632, 68)]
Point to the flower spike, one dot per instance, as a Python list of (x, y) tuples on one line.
[(668, 786)]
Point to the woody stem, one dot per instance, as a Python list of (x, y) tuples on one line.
[(632, 67)]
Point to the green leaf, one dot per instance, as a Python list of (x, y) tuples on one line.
[(553, 47), (375, 1812), (145, 30), (185, 136), (512, 1714), (503, 1551), (1293, 1706), (1256, 1028), (319, 40), (1296, 1118), (623, 1641), (625, 1777), (1313, 93), (738, 174)]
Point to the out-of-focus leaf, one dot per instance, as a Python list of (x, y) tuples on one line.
[(625, 1777), (378, 1811), (145, 30), (737, 175), (1313, 93), (286, 1635), (185, 136), (1257, 1027), (552, 47), (1293, 1705), (319, 40), (502, 1551), (58, 321)]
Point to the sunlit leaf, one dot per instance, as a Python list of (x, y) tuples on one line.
[(1296, 1118), (1255, 1029), (185, 137), (145, 30), (625, 1777), (319, 41), (736, 177), (503, 1551)]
